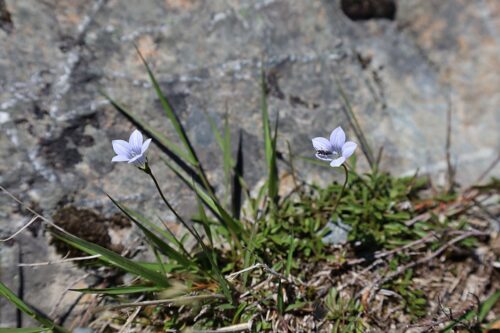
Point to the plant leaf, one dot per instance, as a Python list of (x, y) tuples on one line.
[(365, 147), (238, 170), (487, 305), (265, 120), (289, 260), (23, 330), (167, 108), (224, 142), (21, 305), (112, 258), (181, 132), (269, 143), (213, 204), (119, 290), (484, 309), (161, 245), (159, 138)]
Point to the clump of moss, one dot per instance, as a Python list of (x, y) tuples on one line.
[(88, 225)]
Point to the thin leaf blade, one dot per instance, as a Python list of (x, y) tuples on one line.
[(22, 306), (141, 222), (112, 258), (120, 290)]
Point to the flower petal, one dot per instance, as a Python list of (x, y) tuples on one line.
[(120, 158), (337, 138), (337, 162), (121, 147), (322, 144), (145, 146), (137, 160), (135, 140), (348, 148)]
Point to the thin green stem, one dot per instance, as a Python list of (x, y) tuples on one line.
[(148, 170), (209, 253), (343, 187)]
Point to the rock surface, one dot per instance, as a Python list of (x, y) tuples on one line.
[(401, 76)]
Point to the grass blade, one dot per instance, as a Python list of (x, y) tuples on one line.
[(228, 160), (211, 255), (176, 153), (181, 132), (167, 108), (269, 143), (157, 136), (112, 258), (273, 168), (224, 142), (265, 120), (289, 259), (212, 203), (119, 290), (23, 330), (281, 305), (249, 259), (238, 170), (21, 305), (204, 221), (215, 130), (156, 241), (484, 309), (226, 288), (365, 147), (487, 305)]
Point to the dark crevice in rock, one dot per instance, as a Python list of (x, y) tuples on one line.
[(33, 228), (364, 59), (377, 89), (66, 43), (359, 10), (272, 87), (84, 71), (5, 18), (59, 155), (62, 153), (39, 111)]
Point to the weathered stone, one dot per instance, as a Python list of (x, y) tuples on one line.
[(338, 232), (400, 75)]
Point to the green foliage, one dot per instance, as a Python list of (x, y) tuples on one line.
[(295, 227), (159, 138), (25, 308), (174, 120), (376, 206), (269, 144), (473, 319), (414, 300), (112, 258), (344, 314), (159, 244), (120, 290), (23, 330)]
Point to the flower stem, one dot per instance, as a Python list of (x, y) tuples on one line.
[(193, 231), (148, 170), (343, 187), (208, 252)]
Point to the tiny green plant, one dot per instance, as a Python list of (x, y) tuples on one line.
[(345, 314)]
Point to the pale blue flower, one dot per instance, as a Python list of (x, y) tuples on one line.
[(336, 150), (132, 151)]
